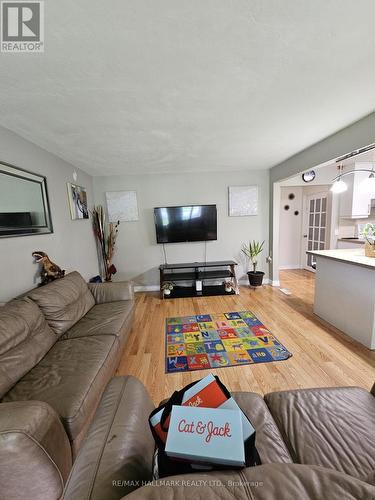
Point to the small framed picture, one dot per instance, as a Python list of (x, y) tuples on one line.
[(243, 201), (77, 196)]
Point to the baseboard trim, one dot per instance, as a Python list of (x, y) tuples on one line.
[(285, 268), (146, 288)]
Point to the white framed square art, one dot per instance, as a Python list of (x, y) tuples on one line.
[(243, 201), (122, 206)]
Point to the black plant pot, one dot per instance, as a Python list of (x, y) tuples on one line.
[(255, 278)]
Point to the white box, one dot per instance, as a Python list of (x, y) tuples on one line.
[(206, 435)]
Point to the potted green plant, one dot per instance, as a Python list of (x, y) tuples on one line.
[(369, 234), (252, 251), (167, 287)]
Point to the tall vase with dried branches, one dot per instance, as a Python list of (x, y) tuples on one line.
[(106, 235)]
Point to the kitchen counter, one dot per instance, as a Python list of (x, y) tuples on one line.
[(345, 292), (351, 255)]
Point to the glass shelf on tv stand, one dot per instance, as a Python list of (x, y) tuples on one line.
[(196, 271)]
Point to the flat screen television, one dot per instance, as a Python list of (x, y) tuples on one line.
[(182, 224)]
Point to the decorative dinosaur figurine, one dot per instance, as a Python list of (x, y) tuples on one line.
[(50, 271)]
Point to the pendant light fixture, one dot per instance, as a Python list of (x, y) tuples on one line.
[(339, 185)]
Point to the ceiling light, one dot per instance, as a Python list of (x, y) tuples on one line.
[(339, 186)]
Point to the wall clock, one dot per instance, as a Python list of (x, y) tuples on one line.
[(308, 176)]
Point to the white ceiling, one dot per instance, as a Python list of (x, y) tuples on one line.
[(144, 86)]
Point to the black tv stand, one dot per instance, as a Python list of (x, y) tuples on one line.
[(192, 272)]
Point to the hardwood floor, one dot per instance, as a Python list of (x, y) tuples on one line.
[(322, 355)]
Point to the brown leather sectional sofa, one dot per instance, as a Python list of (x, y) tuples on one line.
[(59, 346), (314, 443)]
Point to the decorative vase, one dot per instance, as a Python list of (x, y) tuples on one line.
[(167, 292), (369, 250), (228, 289)]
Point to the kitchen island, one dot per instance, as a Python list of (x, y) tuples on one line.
[(345, 292)]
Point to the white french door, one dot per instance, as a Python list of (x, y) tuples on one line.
[(314, 227)]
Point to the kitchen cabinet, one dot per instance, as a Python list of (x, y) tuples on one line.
[(349, 244), (355, 203)]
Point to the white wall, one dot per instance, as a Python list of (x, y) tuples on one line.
[(138, 255), (290, 228), (72, 243)]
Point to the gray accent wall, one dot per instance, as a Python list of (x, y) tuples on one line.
[(71, 245), (355, 136), (138, 255)]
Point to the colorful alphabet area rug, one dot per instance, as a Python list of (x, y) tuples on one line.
[(219, 340)]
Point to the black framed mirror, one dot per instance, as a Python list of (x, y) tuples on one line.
[(24, 206)]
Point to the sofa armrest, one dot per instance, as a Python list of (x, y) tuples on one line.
[(112, 292), (35, 453), (117, 453)]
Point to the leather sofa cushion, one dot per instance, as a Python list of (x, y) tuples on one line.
[(265, 482), (108, 318), (331, 427), (112, 292), (71, 378), (119, 446), (35, 453), (64, 301), (25, 338), (269, 442)]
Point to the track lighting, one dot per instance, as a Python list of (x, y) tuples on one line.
[(339, 186)]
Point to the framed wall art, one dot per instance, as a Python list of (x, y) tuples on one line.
[(243, 201), (122, 206), (77, 196)]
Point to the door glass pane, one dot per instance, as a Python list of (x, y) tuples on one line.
[(316, 245), (321, 246), (311, 233), (324, 204), (312, 203), (317, 205), (316, 234), (311, 220), (309, 245), (322, 234), (317, 219), (309, 260), (323, 220)]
